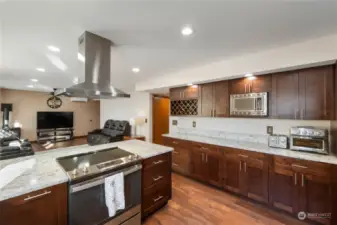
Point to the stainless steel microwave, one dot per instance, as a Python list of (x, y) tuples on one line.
[(252, 104)]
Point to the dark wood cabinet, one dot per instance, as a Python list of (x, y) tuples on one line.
[(254, 84), (298, 185), (184, 93), (220, 99), (206, 100), (316, 89), (156, 183), (285, 95), (247, 174), (305, 94), (46, 206), (214, 99)]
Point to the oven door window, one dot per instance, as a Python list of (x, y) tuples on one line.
[(87, 207), (308, 143)]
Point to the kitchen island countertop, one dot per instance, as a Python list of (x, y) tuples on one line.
[(46, 172)]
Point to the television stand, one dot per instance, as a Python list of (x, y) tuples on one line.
[(54, 135)]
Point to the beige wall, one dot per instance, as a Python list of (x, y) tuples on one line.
[(27, 103)]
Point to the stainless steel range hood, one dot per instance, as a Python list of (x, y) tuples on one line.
[(94, 54)]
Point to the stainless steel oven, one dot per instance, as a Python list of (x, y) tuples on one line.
[(87, 200), (252, 104), (309, 139)]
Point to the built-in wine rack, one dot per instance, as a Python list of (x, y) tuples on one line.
[(184, 107)]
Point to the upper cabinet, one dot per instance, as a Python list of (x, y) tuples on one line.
[(316, 92), (184, 93), (214, 99), (306, 94), (260, 83)]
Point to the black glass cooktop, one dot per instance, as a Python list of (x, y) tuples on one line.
[(69, 163)]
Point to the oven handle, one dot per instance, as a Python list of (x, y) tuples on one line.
[(100, 180)]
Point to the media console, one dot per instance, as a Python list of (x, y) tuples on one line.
[(54, 135)]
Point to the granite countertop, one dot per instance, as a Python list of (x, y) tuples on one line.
[(256, 147), (47, 172)]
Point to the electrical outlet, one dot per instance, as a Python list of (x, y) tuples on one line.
[(194, 124), (174, 122), (270, 130)]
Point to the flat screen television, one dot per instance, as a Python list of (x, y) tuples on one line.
[(50, 120)]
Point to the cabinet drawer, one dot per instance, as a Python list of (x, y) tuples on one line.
[(206, 148), (180, 163), (159, 192), (173, 142), (181, 152), (156, 174), (156, 161)]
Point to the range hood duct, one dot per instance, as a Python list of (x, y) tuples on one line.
[(94, 56)]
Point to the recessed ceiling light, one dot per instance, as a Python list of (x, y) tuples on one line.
[(248, 75), (187, 31), (30, 86), (53, 48), (41, 69), (135, 70), (34, 80)]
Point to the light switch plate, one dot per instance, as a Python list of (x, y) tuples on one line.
[(270, 130), (174, 122), (194, 124)]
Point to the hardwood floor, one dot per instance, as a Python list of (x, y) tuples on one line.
[(196, 204), (48, 146)]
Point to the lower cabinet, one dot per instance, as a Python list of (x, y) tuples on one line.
[(46, 206), (288, 184), (156, 183), (247, 174)]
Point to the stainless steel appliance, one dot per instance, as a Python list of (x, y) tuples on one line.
[(252, 104), (86, 197), (309, 139), (278, 141)]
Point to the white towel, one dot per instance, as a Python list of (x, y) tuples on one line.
[(114, 193)]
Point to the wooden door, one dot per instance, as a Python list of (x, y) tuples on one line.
[(221, 99), (197, 167), (261, 83), (176, 93), (316, 195), (191, 92), (214, 162), (316, 93), (206, 100), (256, 185), (232, 170), (285, 96), (160, 116), (239, 86), (47, 206), (283, 189)]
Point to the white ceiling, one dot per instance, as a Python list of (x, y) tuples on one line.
[(147, 34)]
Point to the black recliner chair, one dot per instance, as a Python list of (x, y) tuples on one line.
[(113, 130)]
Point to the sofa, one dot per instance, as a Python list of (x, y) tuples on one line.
[(112, 131)]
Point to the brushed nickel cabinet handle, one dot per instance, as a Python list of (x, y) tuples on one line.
[(240, 165), (175, 152), (157, 199), (37, 196), (245, 88), (206, 157), (295, 182), (244, 156), (157, 178), (175, 142), (175, 164), (302, 180), (157, 162), (204, 148), (245, 167), (299, 166)]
